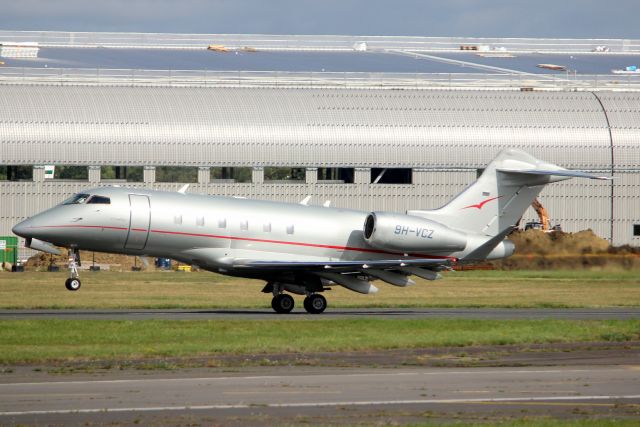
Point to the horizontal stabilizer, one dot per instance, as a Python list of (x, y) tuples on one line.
[(564, 172), (482, 251)]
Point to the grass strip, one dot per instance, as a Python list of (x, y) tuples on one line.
[(538, 422), (32, 341), (104, 290)]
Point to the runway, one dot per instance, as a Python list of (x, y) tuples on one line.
[(326, 395), (338, 313)]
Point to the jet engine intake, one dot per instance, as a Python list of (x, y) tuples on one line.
[(405, 233)]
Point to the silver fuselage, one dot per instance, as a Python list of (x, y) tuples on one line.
[(208, 231)]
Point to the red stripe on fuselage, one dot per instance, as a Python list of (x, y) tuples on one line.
[(251, 239), (81, 226)]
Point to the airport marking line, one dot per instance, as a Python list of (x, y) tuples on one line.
[(550, 399), (289, 377)]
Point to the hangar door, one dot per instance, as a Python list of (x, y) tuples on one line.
[(140, 220)]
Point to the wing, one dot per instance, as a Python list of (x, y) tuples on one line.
[(342, 266)]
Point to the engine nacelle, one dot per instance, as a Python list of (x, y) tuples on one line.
[(406, 233)]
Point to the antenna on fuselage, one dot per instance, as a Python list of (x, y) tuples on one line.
[(305, 201)]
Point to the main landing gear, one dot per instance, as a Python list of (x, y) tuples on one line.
[(315, 303), (283, 303), (73, 282)]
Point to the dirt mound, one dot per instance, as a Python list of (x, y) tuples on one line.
[(537, 250), (41, 261), (538, 242)]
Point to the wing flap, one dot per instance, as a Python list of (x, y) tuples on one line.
[(341, 265)]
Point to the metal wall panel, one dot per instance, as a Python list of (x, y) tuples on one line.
[(296, 127), (623, 111), (444, 134), (626, 207)]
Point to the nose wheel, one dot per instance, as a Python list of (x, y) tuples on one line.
[(73, 282)]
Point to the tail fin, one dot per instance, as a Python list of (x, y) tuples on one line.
[(501, 195)]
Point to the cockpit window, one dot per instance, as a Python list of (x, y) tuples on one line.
[(77, 199), (99, 200)]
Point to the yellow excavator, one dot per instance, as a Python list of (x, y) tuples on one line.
[(543, 215), (544, 223)]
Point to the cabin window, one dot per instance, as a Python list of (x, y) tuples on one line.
[(99, 200), (290, 229), (267, 227), (222, 223), (244, 225), (77, 199), (200, 221)]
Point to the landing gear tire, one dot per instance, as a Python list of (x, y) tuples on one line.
[(282, 303), (315, 304), (72, 284)]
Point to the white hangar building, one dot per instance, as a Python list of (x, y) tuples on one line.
[(363, 148)]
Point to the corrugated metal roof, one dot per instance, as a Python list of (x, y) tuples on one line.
[(307, 127)]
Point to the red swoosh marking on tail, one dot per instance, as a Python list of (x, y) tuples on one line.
[(481, 204)]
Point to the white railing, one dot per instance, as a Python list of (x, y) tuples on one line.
[(309, 42)]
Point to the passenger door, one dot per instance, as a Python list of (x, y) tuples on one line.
[(140, 220)]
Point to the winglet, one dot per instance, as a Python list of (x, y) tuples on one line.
[(183, 189)]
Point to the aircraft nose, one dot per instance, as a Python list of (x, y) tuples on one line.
[(23, 229)]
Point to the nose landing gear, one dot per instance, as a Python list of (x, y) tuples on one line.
[(73, 282)]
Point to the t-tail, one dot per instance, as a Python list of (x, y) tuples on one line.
[(489, 209)]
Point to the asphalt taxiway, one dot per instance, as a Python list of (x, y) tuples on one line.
[(383, 313), (327, 395)]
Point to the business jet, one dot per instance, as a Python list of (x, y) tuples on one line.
[(298, 248)]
